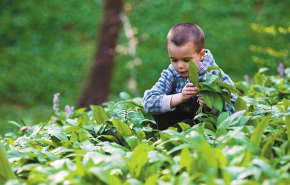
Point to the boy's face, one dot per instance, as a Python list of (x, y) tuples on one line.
[(181, 55)]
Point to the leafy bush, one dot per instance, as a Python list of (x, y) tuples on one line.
[(117, 143)]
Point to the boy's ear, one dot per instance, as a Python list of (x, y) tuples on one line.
[(202, 54)]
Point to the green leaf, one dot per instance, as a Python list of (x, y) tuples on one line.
[(100, 114), (232, 120), (208, 97), (105, 176), (15, 124), (138, 159), (210, 78), (267, 150), (213, 68), (230, 88), (218, 103), (258, 132), (286, 103), (110, 137), (83, 120), (56, 132), (186, 159), (240, 104), (213, 87), (141, 135), (132, 141), (122, 128), (222, 117), (73, 137), (226, 97), (140, 108), (193, 73), (6, 172), (287, 123), (183, 126)]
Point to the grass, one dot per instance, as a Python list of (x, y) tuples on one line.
[(23, 115)]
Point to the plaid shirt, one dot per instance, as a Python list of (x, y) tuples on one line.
[(157, 99)]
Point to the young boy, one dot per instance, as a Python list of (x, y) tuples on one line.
[(174, 98)]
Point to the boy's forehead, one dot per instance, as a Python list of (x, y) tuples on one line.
[(189, 45)]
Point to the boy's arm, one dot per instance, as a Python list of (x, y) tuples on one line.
[(157, 99)]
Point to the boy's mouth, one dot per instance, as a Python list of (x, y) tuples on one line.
[(182, 72)]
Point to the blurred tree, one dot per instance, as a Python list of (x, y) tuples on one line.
[(98, 88)]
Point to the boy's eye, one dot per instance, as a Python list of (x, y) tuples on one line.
[(186, 60), (173, 60)]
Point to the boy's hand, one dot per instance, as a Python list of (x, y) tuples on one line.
[(201, 101), (188, 91)]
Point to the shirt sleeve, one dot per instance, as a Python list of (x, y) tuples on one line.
[(157, 99)]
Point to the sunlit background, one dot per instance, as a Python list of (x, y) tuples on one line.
[(48, 46)]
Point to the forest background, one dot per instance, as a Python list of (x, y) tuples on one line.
[(48, 47)]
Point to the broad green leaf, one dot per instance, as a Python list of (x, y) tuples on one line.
[(258, 132), (83, 137), (180, 147), (132, 141), (83, 120), (222, 117), (232, 120), (240, 104), (266, 168), (225, 97), (210, 78), (6, 172), (213, 68), (213, 87), (193, 73), (110, 137), (138, 159), (46, 141), (34, 144), (183, 126), (73, 137), (152, 179), (229, 87), (140, 108), (105, 176), (15, 124), (286, 103), (267, 150), (208, 98), (287, 123), (141, 135), (122, 127), (186, 159), (56, 132), (100, 114), (76, 129), (218, 103)]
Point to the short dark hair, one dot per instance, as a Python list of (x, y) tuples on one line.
[(185, 32)]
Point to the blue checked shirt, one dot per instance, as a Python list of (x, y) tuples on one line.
[(157, 99)]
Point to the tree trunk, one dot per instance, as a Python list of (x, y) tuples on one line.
[(98, 88)]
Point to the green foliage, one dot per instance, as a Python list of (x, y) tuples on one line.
[(46, 47), (117, 144), (213, 91)]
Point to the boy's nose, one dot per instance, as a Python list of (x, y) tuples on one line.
[(180, 65)]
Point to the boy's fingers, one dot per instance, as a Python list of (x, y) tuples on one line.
[(190, 85)]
